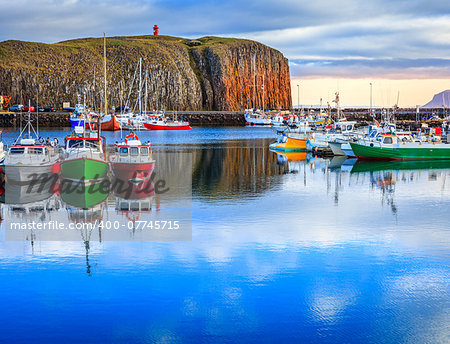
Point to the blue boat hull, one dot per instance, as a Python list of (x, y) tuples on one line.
[(75, 122)]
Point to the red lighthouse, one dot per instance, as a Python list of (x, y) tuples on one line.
[(155, 30)]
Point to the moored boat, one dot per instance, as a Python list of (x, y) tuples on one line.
[(289, 143), (30, 157), (132, 160), (256, 117), (109, 123), (85, 159), (162, 123), (391, 147)]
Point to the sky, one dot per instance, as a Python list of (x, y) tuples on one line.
[(398, 46)]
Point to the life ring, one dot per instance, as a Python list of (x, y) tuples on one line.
[(131, 136)]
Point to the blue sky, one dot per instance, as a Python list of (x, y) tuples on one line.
[(347, 39)]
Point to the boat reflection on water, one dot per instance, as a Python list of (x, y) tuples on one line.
[(133, 199), (383, 165), (291, 160), (84, 196), (30, 202)]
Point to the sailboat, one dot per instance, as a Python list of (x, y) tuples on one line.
[(29, 157), (85, 158)]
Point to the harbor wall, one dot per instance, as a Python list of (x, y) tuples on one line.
[(405, 118)]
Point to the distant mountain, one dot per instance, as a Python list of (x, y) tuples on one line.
[(439, 100)]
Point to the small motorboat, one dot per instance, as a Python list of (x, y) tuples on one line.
[(132, 160), (162, 123), (30, 158), (289, 143)]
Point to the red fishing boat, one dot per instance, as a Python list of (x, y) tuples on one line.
[(162, 123), (132, 160), (107, 123)]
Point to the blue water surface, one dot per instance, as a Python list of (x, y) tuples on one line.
[(284, 249)]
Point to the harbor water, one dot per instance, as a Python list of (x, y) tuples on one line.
[(284, 248)]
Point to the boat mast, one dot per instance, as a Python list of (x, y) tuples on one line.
[(37, 112), (93, 93), (254, 80), (263, 92), (140, 85), (146, 91), (29, 118), (104, 70)]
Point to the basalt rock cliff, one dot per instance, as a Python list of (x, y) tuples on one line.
[(209, 73)]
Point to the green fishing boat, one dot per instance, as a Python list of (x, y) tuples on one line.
[(85, 159), (392, 147), (83, 196)]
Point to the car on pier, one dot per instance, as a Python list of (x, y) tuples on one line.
[(16, 107), (29, 108), (49, 109)]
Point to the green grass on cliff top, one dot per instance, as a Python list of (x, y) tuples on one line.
[(136, 41)]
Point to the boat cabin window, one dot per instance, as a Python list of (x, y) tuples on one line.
[(134, 206), (17, 150), (349, 127), (33, 150), (74, 143), (387, 140), (144, 150), (123, 151), (134, 151), (145, 206), (124, 206), (90, 144)]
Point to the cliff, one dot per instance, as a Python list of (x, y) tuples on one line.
[(209, 73)]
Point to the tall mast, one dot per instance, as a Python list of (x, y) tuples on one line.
[(93, 93), (140, 85), (263, 91), (104, 70), (254, 80), (37, 112), (146, 90)]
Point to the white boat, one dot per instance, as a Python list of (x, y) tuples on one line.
[(342, 130), (278, 121), (131, 121), (256, 117), (30, 157)]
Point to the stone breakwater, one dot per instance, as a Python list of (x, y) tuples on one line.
[(55, 120), (404, 119)]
